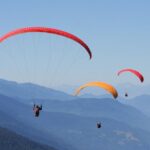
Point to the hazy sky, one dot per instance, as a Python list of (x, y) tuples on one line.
[(118, 33)]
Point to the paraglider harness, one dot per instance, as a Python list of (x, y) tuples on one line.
[(37, 109)]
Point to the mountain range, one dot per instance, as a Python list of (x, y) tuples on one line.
[(70, 123)]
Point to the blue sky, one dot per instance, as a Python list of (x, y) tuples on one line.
[(117, 32)]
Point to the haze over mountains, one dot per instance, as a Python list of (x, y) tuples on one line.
[(70, 123), (133, 90), (29, 91), (141, 102)]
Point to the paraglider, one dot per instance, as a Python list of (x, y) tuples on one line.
[(98, 125), (103, 85), (135, 72), (37, 109), (50, 31), (126, 94)]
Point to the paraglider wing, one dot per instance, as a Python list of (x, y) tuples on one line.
[(135, 72), (47, 30), (103, 85)]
